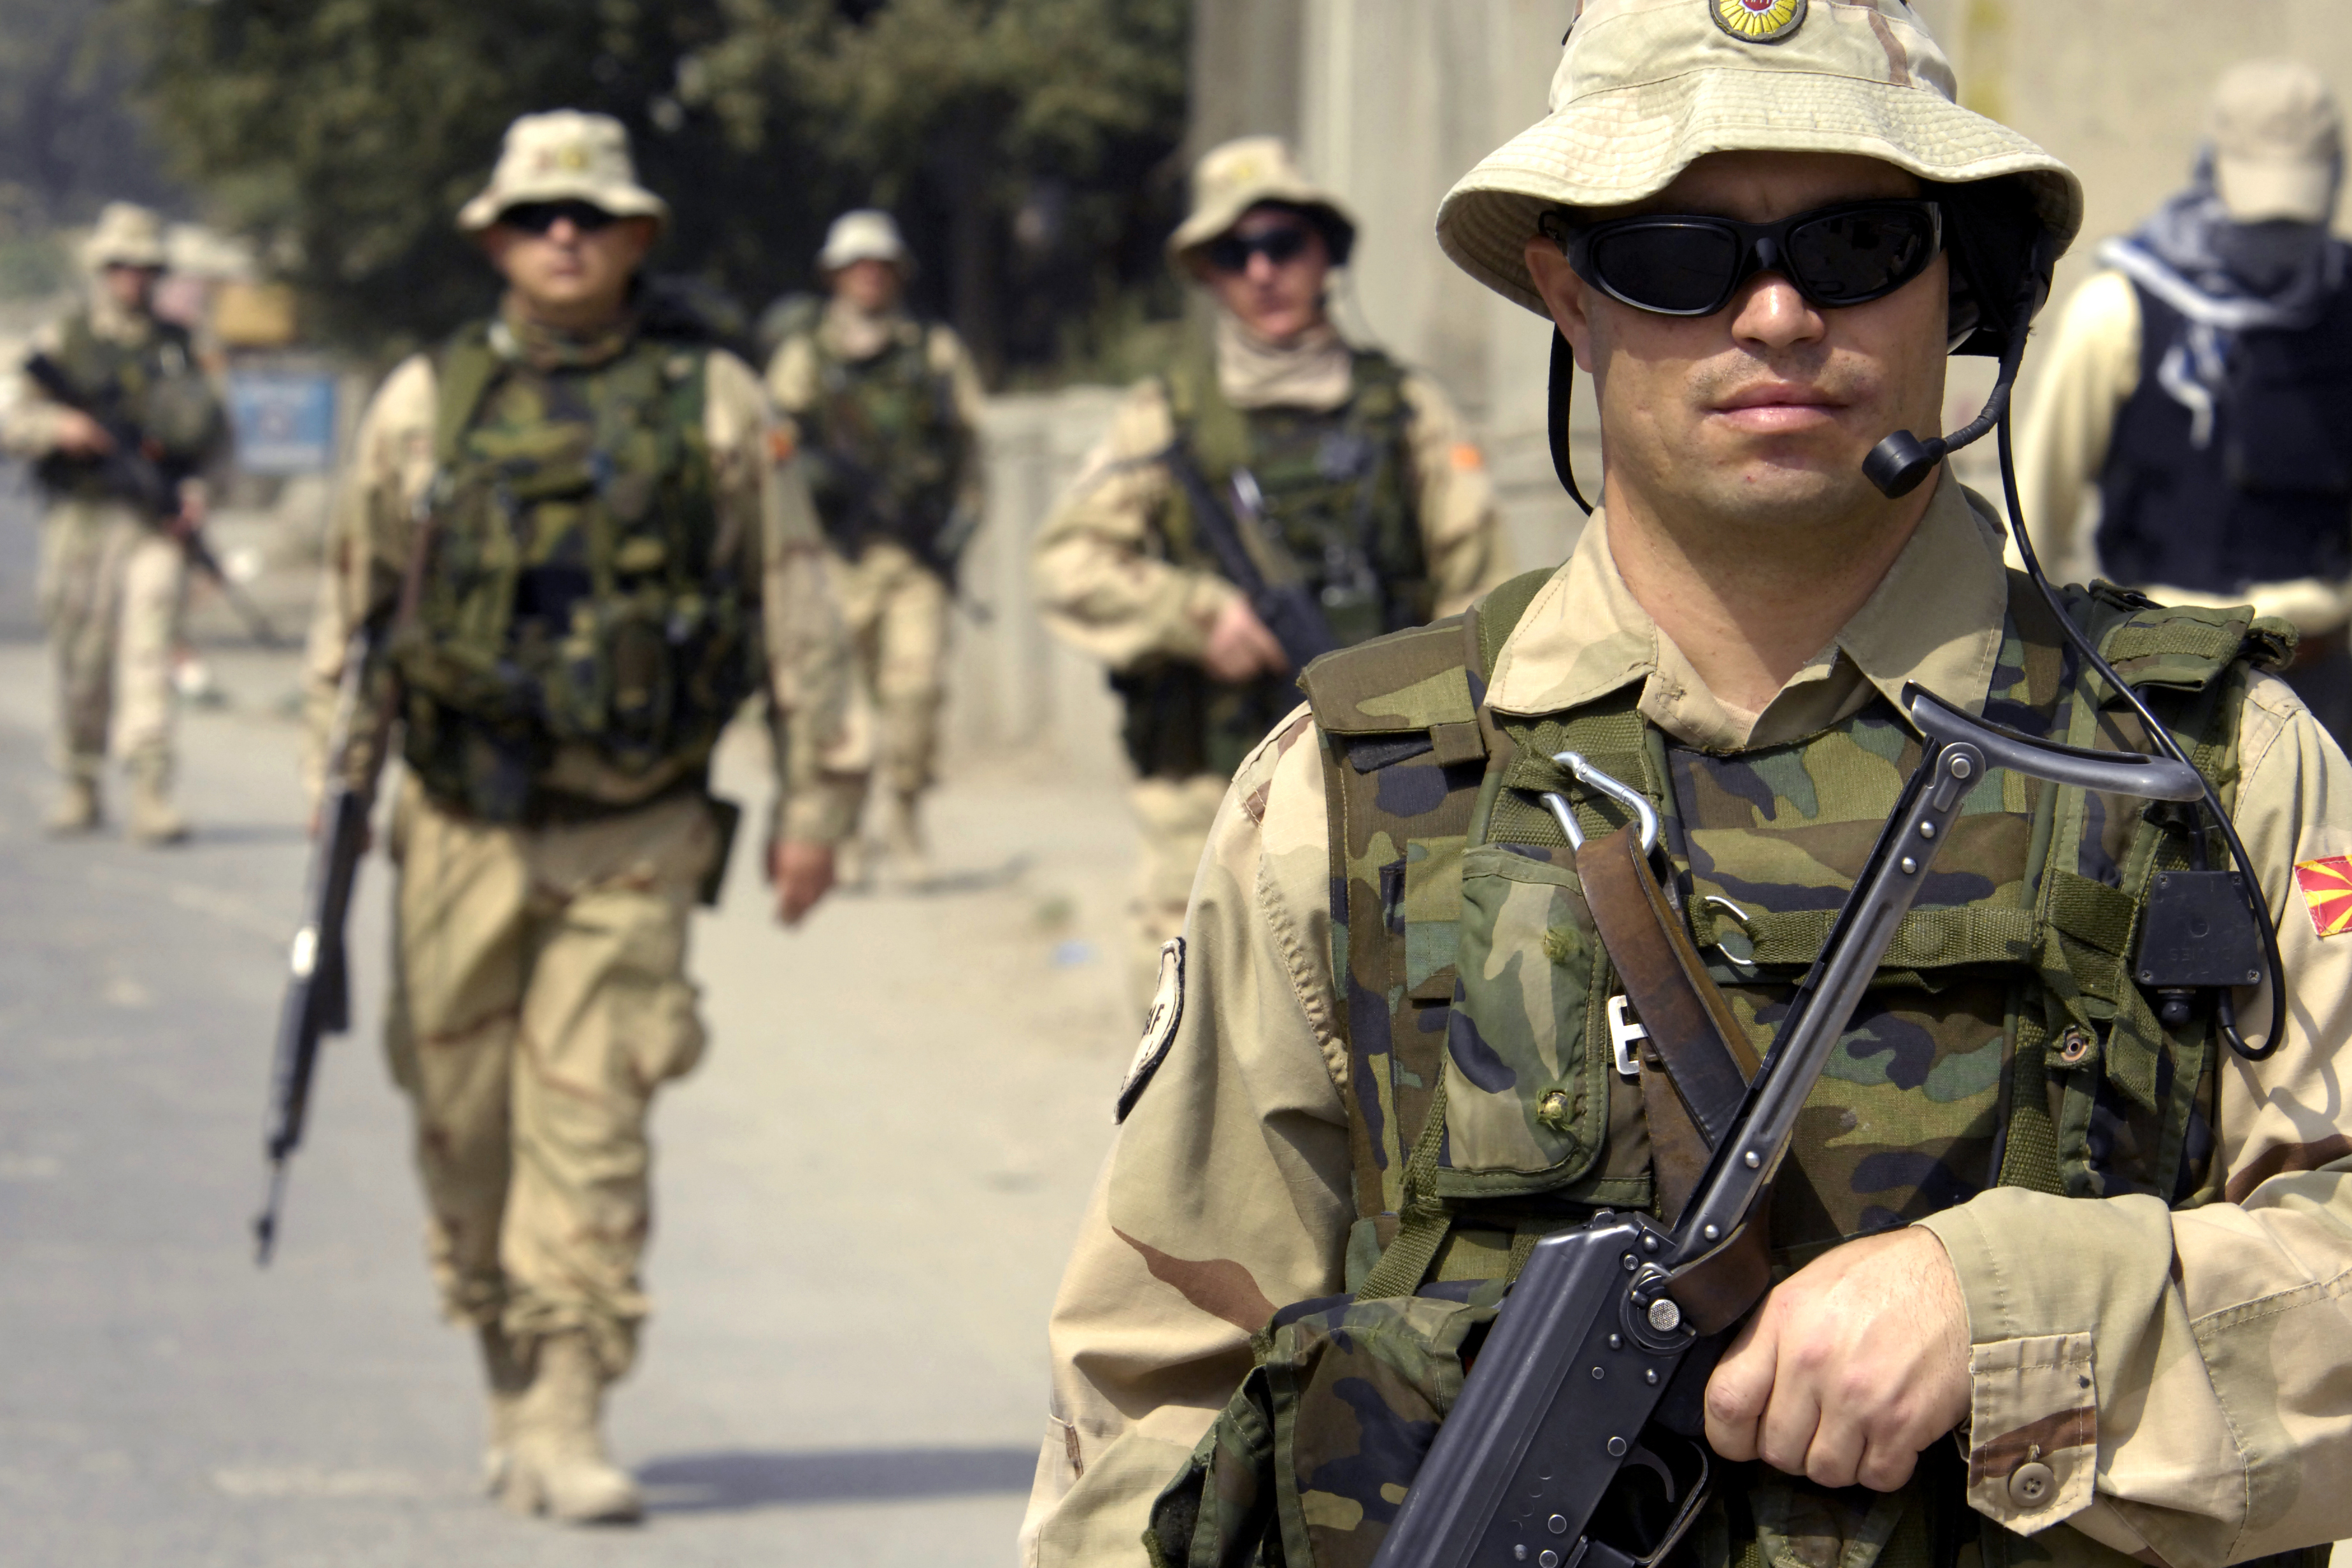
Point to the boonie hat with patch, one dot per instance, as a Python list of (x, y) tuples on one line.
[(1248, 172), (866, 235), (563, 155), (2278, 143), (126, 234), (1645, 88)]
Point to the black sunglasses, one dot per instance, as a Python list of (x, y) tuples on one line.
[(1280, 246), (1673, 264), (538, 217)]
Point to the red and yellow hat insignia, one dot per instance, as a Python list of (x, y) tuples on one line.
[(2327, 888), (1758, 21)]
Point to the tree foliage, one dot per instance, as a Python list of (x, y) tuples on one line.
[(1027, 144)]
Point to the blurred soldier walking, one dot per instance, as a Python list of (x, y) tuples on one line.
[(888, 410), (570, 519), (113, 572), (2203, 383), (1344, 459)]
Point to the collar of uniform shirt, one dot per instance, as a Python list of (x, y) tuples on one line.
[(1937, 619), (1314, 372)]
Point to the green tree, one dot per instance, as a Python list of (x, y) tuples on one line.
[(1026, 143)]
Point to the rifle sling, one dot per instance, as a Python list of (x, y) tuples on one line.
[(1700, 1048)]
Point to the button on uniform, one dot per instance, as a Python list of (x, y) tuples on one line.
[(2030, 1485)]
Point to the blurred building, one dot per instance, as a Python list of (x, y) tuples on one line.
[(1390, 101)]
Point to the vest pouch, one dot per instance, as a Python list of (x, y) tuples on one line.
[(1526, 1053), (1307, 1464)]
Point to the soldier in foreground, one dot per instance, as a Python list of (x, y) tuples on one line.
[(1347, 470), (2092, 1231), (2202, 382), (589, 563), (887, 410), (113, 569)]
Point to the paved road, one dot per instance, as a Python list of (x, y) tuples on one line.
[(864, 1198)]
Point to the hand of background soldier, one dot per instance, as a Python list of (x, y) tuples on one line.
[(802, 874), (80, 436), (1240, 648), (1851, 1366)]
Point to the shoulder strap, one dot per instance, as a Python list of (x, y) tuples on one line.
[(464, 369), (1216, 431)]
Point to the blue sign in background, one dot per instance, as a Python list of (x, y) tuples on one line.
[(284, 420)]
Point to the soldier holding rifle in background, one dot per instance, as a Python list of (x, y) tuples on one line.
[(605, 565), (888, 412), (1489, 936), (121, 425), (1341, 478)]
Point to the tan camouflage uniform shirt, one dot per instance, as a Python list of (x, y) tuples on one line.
[(808, 660), (2185, 1373), (2089, 370), (1105, 594)]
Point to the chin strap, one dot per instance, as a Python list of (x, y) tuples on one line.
[(1562, 396)]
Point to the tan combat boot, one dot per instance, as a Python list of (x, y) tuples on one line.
[(902, 838), (154, 820), (558, 1465), (507, 1373), (78, 810)]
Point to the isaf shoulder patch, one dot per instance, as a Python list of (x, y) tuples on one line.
[(2327, 892), (1159, 1028)]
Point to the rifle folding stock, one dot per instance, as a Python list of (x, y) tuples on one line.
[(1577, 1441)]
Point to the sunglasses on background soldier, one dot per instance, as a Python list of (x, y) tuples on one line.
[(1232, 253), (1679, 265), (538, 217)]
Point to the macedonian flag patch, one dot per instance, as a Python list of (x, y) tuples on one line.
[(1758, 21), (2327, 887)]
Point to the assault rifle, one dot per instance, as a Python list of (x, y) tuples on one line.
[(318, 987), (1578, 1438), (136, 470), (1266, 578)]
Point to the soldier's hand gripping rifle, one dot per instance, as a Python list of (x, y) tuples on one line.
[(134, 470), (1266, 576), (1577, 1441)]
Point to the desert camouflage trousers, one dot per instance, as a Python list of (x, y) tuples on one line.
[(111, 590), (1173, 817), (896, 611), (539, 997)]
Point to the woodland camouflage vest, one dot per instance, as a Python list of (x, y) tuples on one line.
[(156, 386), (580, 588), (2003, 1043), (887, 446), (1339, 494)]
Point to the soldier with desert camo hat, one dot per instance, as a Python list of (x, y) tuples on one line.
[(2054, 1246), (606, 564), (113, 577), (1353, 466)]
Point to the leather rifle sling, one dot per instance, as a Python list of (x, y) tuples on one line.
[(1696, 1046)]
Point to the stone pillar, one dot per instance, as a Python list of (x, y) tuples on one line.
[(1246, 68)]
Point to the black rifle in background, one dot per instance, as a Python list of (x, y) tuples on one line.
[(1266, 577), (134, 469), (1578, 1440)]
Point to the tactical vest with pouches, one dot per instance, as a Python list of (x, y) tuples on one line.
[(156, 386), (580, 588), (1339, 496), (887, 445), (2004, 1042)]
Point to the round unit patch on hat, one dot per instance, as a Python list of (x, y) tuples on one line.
[(1646, 87), (1759, 21)]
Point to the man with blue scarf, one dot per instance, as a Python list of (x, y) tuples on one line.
[(2203, 383)]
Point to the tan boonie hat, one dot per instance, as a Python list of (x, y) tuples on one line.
[(563, 155), (2278, 143), (1234, 176), (127, 236), (866, 235), (1647, 87)]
